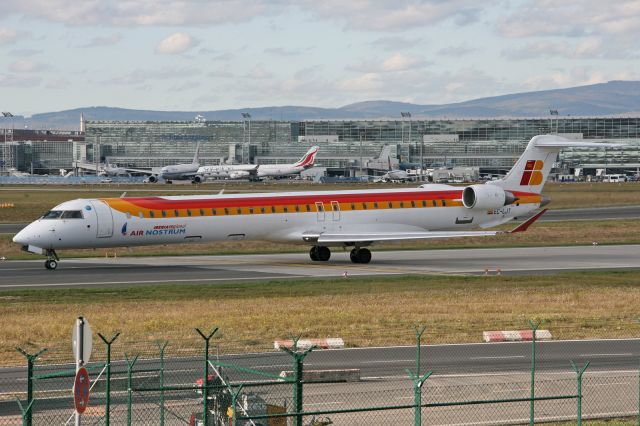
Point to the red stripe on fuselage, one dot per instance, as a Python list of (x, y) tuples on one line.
[(157, 203)]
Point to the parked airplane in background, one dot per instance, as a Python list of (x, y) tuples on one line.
[(257, 171), (179, 171), (354, 219)]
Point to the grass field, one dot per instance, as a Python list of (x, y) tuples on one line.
[(364, 312)]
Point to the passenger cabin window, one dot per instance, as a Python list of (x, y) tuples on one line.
[(250, 210), (435, 204), (390, 205), (213, 212), (286, 209), (201, 212), (444, 203), (72, 214), (164, 213), (413, 203), (273, 209), (239, 210), (262, 210), (188, 212), (402, 204), (152, 214), (176, 212), (297, 208), (375, 205), (128, 215), (140, 215), (308, 207), (424, 203), (353, 206), (364, 206)]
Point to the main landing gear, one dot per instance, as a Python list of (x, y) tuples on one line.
[(322, 254), (52, 260), (360, 255)]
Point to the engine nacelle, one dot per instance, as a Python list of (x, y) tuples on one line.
[(486, 197), (196, 179), (152, 179)]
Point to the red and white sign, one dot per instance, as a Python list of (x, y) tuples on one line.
[(515, 335), (81, 390), (329, 343)]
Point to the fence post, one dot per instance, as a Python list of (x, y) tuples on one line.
[(534, 328), (24, 411), (107, 386), (298, 359), (418, 389), (417, 394), (161, 347), (205, 378), (579, 377), (130, 365), (234, 403), (31, 359)]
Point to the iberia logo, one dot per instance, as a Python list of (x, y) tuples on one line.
[(532, 173)]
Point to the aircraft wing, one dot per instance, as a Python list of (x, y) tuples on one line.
[(339, 237), (153, 171)]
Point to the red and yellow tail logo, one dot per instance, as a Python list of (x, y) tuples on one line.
[(532, 173)]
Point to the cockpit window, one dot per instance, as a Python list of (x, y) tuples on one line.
[(72, 214), (52, 214), (66, 214)]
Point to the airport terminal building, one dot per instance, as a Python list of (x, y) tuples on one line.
[(346, 146)]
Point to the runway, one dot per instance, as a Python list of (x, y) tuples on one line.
[(105, 272), (595, 213)]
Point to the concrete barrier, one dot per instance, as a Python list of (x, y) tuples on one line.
[(327, 376), (515, 335), (329, 343)]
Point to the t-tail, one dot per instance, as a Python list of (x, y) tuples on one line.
[(308, 159), (532, 169)]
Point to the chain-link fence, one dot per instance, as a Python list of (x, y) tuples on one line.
[(161, 383)]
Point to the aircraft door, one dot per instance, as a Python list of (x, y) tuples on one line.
[(320, 211), (335, 211), (104, 218)]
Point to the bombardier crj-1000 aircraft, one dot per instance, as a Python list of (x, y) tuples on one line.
[(356, 218)]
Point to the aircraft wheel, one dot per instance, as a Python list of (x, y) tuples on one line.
[(50, 264), (364, 255), (313, 253), (324, 253), (354, 256)]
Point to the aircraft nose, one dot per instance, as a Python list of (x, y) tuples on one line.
[(22, 237)]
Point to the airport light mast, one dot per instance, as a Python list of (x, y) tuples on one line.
[(246, 117)]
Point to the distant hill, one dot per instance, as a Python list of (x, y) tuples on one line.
[(611, 98)]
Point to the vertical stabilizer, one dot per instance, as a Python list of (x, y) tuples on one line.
[(196, 156), (531, 171)]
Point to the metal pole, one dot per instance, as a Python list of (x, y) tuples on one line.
[(234, 404), (205, 377), (130, 386), (298, 358), (107, 386), (80, 353), (534, 327), (579, 373), (417, 392), (27, 415), (162, 348)]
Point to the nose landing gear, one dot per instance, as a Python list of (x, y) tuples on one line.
[(52, 261)]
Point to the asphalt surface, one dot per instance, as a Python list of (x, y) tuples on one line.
[(595, 213), (126, 271)]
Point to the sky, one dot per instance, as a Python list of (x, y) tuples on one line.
[(202, 55)]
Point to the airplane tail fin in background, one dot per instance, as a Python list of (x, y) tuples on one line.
[(531, 171), (308, 159), (196, 159)]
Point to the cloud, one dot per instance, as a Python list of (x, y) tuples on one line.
[(23, 53), (455, 51), (392, 15), (587, 48), (573, 18), (398, 62), (27, 65), (7, 35), (143, 12), (103, 41), (396, 43), (142, 76), (8, 80), (176, 44), (280, 51), (576, 76)]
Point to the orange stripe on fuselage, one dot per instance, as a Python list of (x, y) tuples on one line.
[(294, 203)]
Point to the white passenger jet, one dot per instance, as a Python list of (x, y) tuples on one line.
[(257, 171), (354, 218)]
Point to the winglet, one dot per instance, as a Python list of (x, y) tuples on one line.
[(525, 225)]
